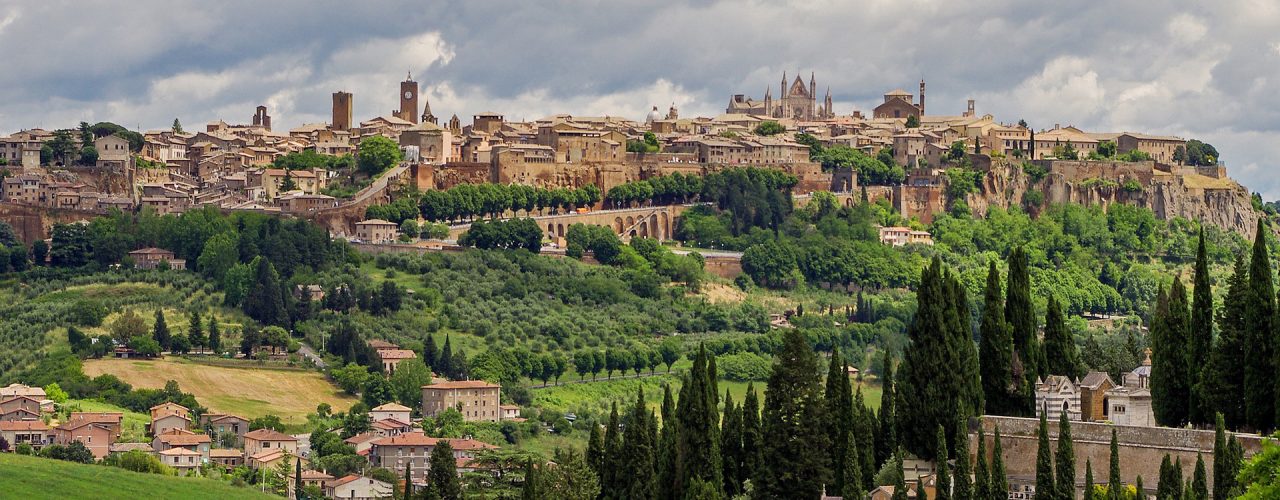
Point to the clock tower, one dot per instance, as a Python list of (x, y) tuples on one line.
[(408, 100)]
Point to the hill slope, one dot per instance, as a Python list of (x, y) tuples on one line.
[(31, 477)]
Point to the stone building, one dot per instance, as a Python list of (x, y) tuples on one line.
[(797, 102), (377, 231), (1130, 403), (476, 399)]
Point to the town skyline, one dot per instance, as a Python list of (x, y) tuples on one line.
[(1020, 63)]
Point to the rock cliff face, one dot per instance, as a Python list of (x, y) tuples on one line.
[(1212, 199)]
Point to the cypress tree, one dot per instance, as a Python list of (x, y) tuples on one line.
[(613, 474), (1174, 478), (839, 410), (1259, 368), (595, 451), (1059, 345), (430, 352), (921, 493), (981, 474), (1226, 464), (160, 332), (297, 481), (215, 336), (637, 476), (667, 447), (1045, 488), (962, 488), (863, 429), (195, 330), (1114, 485), (1065, 461), (444, 365), (752, 440), (698, 442), (1019, 313), (1170, 393), (853, 488), (1223, 379), (1201, 337), (944, 477), (998, 487), (529, 491), (1140, 491), (1200, 483), (731, 446), (792, 420), (900, 480), (1088, 480), (939, 338), (408, 484), (887, 438), (996, 350)]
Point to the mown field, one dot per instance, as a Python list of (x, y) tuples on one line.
[(252, 391), (31, 478)]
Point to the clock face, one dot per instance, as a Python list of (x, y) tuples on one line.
[(408, 94)]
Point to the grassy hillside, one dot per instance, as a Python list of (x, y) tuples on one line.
[(31, 477), (250, 392)]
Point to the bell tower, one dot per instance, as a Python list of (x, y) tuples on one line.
[(408, 100)]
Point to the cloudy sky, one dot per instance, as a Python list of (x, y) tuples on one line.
[(1196, 69)]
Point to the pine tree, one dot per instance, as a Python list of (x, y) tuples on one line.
[(731, 446), (1201, 338), (666, 473), (1065, 461), (1045, 488), (1088, 479), (1170, 394), (698, 444), (944, 478), (939, 335), (638, 475), (1226, 464), (215, 335), (1059, 345), (430, 352), (1114, 484), (613, 474), (999, 485), (981, 474), (160, 332), (996, 350), (1019, 313), (195, 330), (442, 475), (887, 438), (863, 429), (839, 411), (752, 440), (1200, 483), (595, 451), (1259, 367), (792, 420), (963, 485), (853, 488), (1223, 377)]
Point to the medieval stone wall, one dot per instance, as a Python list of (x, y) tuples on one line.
[(1141, 448)]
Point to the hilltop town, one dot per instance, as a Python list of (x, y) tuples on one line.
[(309, 171)]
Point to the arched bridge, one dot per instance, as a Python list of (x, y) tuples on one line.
[(654, 222)]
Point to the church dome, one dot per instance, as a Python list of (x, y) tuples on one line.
[(653, 115)]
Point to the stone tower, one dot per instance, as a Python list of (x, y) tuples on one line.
[(261, 118), (427, 117), (408, 100), (341, 111), (921, 105)]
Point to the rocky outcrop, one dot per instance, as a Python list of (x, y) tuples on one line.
[(1167, 191)]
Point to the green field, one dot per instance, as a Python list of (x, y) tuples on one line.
[(33, 478)]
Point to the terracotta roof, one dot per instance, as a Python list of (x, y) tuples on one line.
[(150, 251), (216, 418), (1093, 380), (392, 407), (410, 439), (269, 435), (95, 418), (267, 455), (377, 222), (225, 453), (463, 384), (344, 480), (24, 425), (314, 475), (183, 439), (396, 354), (361, 438), (389, 423), (470, 444)]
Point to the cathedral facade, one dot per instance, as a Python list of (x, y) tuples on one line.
[(796, 102)]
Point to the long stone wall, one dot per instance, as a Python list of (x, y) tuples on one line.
[(1141, 448)]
